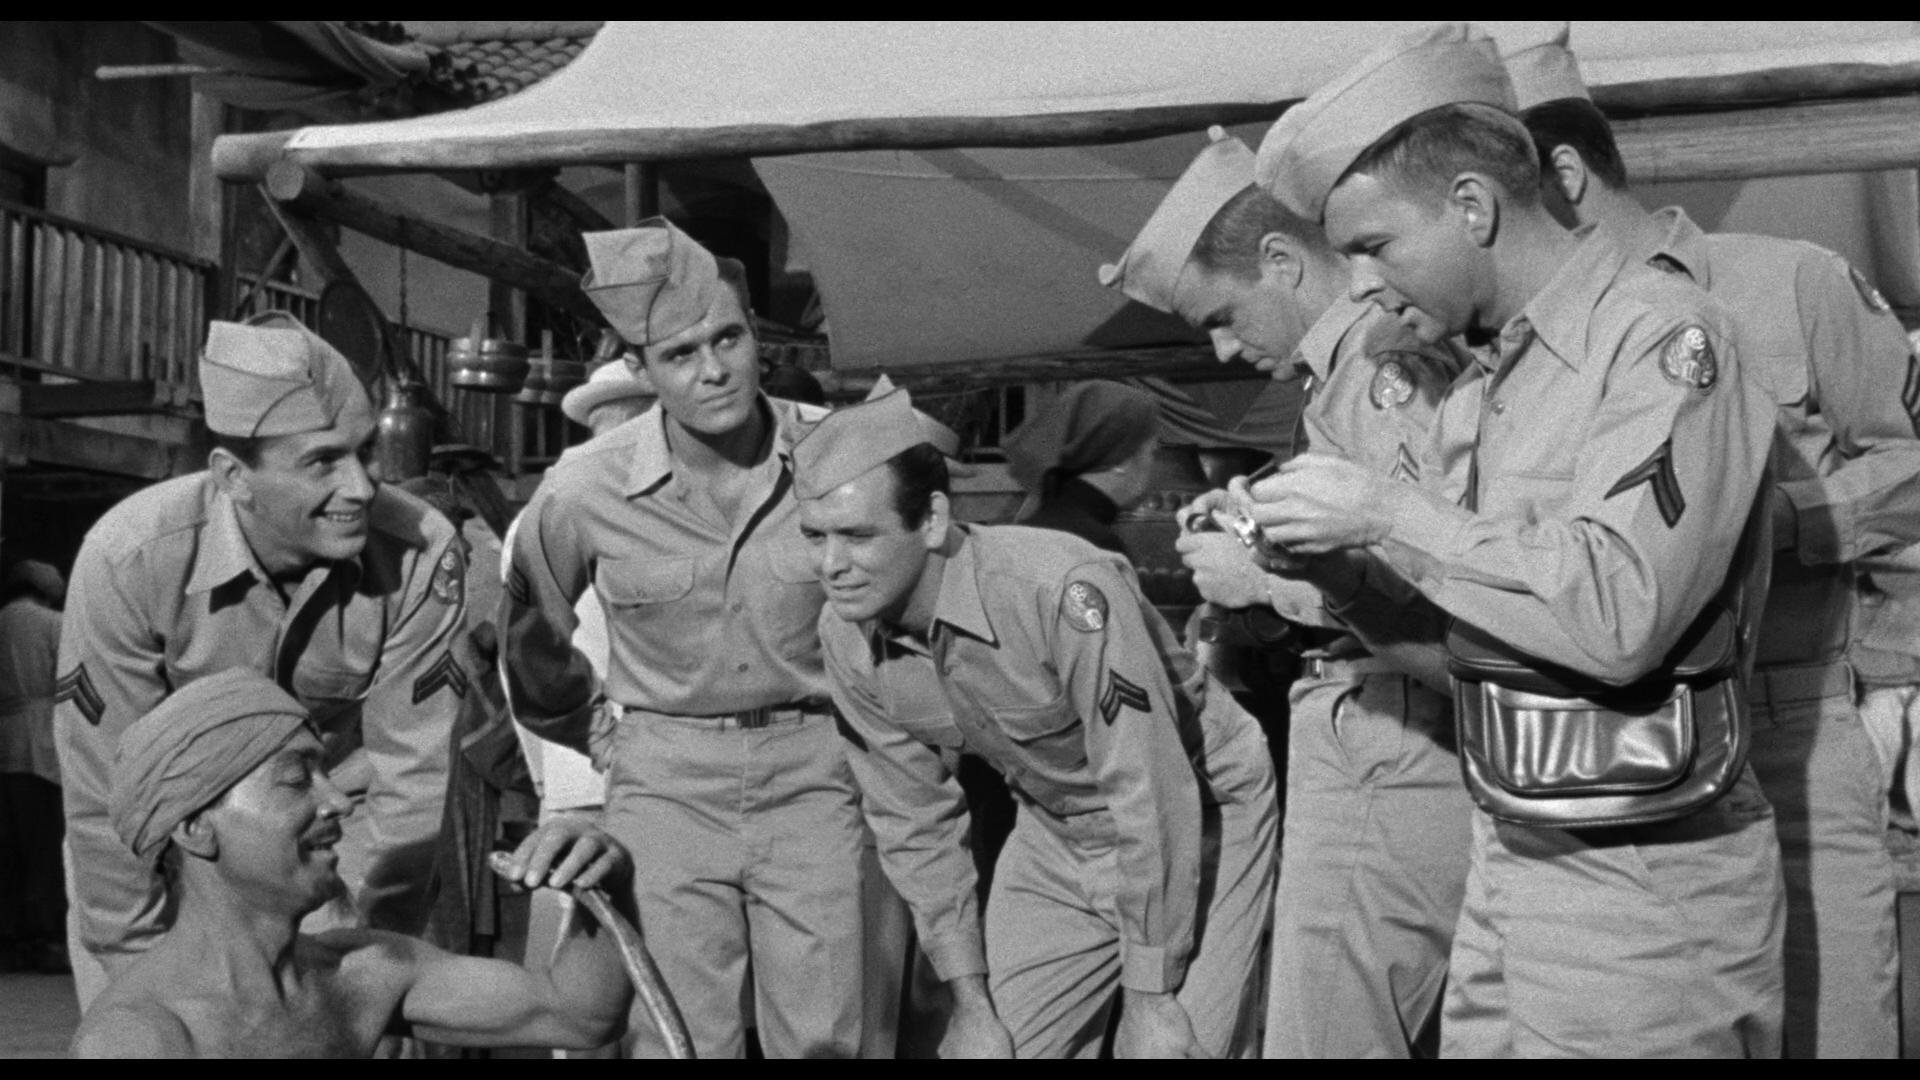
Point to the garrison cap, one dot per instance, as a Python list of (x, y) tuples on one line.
[(1544, 72), (852, 440), (272, 376), (651, 281), (203, 739), (610, 382), (1312, 145), (1151, 266)]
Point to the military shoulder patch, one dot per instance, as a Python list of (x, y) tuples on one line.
[(77, 686), (449, 576), (1085, 606), (1869, 295), (1392, 385), (1122, 693), (1687, 358), (1657, 472), (445, 672)]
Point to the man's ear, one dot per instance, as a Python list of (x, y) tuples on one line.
[(939, 519), (1570, 173), (1279, 251), (230, 475), (1477, 201), (195, 837)]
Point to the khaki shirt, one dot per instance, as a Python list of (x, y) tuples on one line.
[(1046, 660), (29, 647), (1840, 368), (705, 617), (1375, 389), (1610, 488), (166, 590)]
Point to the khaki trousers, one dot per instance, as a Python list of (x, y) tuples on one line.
[(1645, 941), (1819, 768), (1374, 852), (748, 876), (1053, 928)]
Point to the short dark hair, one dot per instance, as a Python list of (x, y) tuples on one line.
[(245, 447), (1578, 123), (918, 472), (1425, 153), (1230, 243)]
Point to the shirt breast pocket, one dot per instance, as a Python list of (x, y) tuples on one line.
[(332, 695), (794, 617), (1051, 736), (643, 586)]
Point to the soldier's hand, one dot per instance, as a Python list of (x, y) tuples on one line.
[(1224, 569), (566, 851), (973, 1029), (1208, 512), (1318, 503), (1155, 1026)]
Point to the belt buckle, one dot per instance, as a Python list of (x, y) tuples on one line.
[(753, 719), (1313, 667)]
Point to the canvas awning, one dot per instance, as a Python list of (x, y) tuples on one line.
[(1014, 160)]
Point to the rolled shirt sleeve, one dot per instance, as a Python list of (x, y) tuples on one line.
[(551, 688)]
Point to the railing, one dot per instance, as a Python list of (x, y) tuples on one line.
[(258, 296), (83, 302)]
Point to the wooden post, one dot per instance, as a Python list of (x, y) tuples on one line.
[(300, 188), (509, 307)]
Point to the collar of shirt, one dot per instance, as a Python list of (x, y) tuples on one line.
[(1322, 341), (1558, 314), (652, 462), (959, 605), (1670, 236), (224, 552)]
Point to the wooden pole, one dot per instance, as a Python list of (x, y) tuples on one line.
[(1863, 133), (293, 185)]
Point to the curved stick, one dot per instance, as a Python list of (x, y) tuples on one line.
[(646, 978)]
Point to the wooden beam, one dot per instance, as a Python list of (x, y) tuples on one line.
[(1872, 133), (51, 442), (313, 242), (296, 186), (1182, 361), (53, 400), (1826, 137)]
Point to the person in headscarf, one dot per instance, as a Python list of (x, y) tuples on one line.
[(222, 786), (1086, 458)]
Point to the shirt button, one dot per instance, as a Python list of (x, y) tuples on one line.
[(739, 606), (742, 667), (1499, 407)]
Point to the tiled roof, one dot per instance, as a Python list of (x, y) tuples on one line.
[(495, 69)]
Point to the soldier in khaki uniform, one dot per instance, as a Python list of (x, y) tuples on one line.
[(1140, 869), (1616, 450), (286, 558), (1377, 824), (727, 780), (1846, 468)]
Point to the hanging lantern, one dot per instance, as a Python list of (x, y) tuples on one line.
[(550, 377), (486, 364), (403, 443)]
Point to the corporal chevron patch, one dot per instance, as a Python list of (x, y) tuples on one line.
[(1405, 467), (1122, 693), (446, 672), (77, 686), (1657, 471), (517, 587), (1910, 394)]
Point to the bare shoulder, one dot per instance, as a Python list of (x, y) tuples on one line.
[(132, 1029)]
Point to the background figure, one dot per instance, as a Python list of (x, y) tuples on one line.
[(1086, 458), (33, 899)]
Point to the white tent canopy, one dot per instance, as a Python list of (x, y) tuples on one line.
[(953, 255)]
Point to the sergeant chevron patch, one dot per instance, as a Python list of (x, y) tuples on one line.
[(1405, 467), (1657, 471), (77, 686), (445, 671), (1122, 694)]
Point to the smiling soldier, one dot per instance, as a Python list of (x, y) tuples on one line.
[(222, 784), (287, 558), (1141, 865)]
